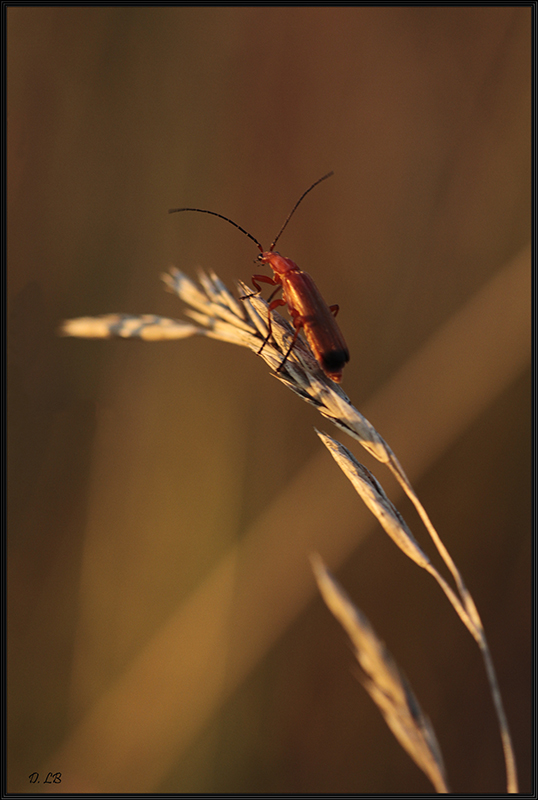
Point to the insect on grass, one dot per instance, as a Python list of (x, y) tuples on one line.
[(307, 308)]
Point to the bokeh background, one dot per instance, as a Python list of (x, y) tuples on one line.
[(165, 633)]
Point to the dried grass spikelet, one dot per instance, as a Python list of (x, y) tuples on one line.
[(217, 314), (384, 682)]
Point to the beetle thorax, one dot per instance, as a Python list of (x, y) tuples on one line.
[(278, 263)]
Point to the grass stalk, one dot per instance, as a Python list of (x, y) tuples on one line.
[(217, 314)]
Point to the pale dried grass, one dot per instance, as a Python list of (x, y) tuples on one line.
[(217, 314)]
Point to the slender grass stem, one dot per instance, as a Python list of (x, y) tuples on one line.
[(219, 315)]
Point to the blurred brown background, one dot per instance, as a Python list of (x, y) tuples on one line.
[(161, 636)]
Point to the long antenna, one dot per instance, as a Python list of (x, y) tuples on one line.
[(302, 197), (250, 236), (214, 214)]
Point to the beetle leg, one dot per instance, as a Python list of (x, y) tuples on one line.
[(334, 309), (263, 279), (298, 323), (272, 306)]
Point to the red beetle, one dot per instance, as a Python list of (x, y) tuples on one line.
[(307, 308)]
